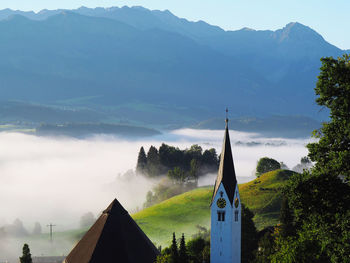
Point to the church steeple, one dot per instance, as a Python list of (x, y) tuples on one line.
[(226, 173), (225, 210)]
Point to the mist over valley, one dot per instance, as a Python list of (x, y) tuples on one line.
[(59, 179)]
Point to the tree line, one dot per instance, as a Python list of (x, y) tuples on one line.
[(179, 165), (182, 168)]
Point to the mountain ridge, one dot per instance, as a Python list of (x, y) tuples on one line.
[(108, 11), (121, 58)]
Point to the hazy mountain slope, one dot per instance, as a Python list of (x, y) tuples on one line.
[(70, 55), (124, 57)]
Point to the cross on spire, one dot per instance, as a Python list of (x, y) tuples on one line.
[(226, 120)]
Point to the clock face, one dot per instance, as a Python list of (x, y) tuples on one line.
[(221, 202), (236, 202)]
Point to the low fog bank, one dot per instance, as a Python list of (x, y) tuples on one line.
[(57, 180)]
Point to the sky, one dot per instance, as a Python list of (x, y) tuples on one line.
[(329, 18)]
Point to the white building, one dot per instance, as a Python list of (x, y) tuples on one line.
[(226, 210)]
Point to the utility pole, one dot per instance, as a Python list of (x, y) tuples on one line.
[(51, 226)]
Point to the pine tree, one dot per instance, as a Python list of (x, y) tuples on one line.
[(153, 163), (141, 161), (183, 257), (174, 254), (26, 257)]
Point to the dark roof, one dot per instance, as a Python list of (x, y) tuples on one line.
[(115, 237), (226, 173)]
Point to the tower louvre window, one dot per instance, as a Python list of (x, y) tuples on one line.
[(221, 216), (236, 215)]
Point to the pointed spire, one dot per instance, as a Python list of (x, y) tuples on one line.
[(226, 173)]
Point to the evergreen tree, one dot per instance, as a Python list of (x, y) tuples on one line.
[(153, 163), (26, 256), (183, 257), (249, 235), (174, 253), (141, 161)]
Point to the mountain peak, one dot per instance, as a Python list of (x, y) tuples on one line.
[(247, 29), (295, 31)]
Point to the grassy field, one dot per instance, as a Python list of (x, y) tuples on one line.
[(182, 213)]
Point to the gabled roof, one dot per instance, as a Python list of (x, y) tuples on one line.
[(114, 238), (226, 173)]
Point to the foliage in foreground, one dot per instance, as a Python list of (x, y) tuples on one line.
[(26, 256), (331, 153), (315, 219)]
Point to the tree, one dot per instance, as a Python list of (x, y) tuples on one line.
[(332, 151), (319, 200), (266, 164), (321, 217), (174, 253), (195, 249), (37, 229), (195, 151), (87, 219), (150, 198), (266, 247), (305, 160), (210, 158), (305, 164), (286, 219), (183, 257), (153, 163), (206, 253), (141, 161), (177, 175), (194, 171), (163, 259), (26, 256), (249, 235)]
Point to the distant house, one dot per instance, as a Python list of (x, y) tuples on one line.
[(115, 237)]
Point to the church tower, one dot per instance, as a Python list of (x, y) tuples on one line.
[(226, 210)]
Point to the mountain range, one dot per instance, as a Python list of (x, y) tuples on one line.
[(151, 67)]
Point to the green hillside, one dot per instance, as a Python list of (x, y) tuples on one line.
[(184, 212)]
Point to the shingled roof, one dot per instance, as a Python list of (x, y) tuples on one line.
[(226, 173), (114, 238)]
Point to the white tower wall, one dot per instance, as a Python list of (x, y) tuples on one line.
[(225, 235)]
